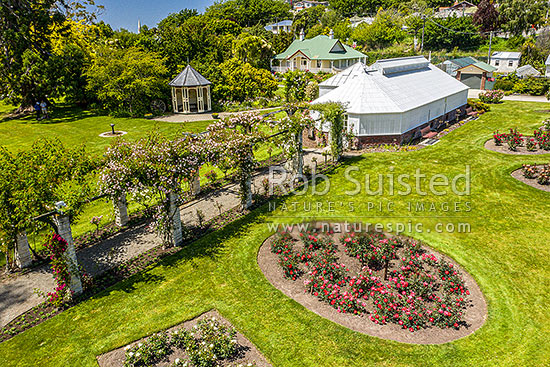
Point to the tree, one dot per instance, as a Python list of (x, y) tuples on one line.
[(235, 80), (532, 55), (250, 12), (452, 32), (25, 29), (174, 20), (295, 83), (253, 50), (383, 32), (126, 81), (519, 16), (486, 16), (32, 181), (307, 18)]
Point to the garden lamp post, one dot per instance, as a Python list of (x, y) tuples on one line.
[(113, 128)]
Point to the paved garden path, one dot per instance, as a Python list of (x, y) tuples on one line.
[(204, 116), (17, 293)]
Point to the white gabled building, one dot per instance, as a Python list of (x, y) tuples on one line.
[(505, 62), (394, 100)]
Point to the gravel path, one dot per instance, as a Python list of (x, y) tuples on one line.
[(17, 292)]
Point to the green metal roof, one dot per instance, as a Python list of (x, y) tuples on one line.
[(467, 61), (320, 48), (484, 66), (464, 61)]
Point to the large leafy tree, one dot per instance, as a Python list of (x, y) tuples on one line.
[(253, 50), (126, 81), (234, 80), (248, 13), (450, 33), (383, 32), (486, 16), (519, 16), (25, 29)]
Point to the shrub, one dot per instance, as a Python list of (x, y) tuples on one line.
[(514, 139), (544, 176), (531, 144), (499, 138), (149, 352), (505, 85), (529, 171), (543, 139), (478, 106), (211, 176), (491, 96), (532, 86)]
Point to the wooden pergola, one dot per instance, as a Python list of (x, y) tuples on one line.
[(190, 92)]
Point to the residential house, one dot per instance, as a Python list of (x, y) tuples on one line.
[(505, 62), (547, 64), (394, 100), (475, 74), (318, 54), (282, 26), (305, 4), (356, 21)]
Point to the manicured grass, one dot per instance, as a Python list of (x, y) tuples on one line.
[(506, 252)]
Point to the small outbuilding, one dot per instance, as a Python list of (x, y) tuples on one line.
[(547, 64), (526, 71), (190, 92), (394, 100)]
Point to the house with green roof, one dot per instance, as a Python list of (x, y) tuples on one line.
[(470, 71), (318, 54)]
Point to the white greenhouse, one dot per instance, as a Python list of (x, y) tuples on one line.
[(394, 100)]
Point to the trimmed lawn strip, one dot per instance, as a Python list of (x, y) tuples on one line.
[(506, 253)]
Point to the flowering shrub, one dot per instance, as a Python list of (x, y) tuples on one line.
[(399, 281), (514, 139), (62, 295), (531, 144), (149, 352), (529, 171), (491, 96), (544, 176), (543, 139), (208, 344), (499, 138)]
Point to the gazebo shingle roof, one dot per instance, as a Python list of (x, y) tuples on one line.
[(189, 77)]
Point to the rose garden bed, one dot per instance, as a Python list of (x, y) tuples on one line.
[(537, 176), (516, 143), (206, 341), (385, 286)]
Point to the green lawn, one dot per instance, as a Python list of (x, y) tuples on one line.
[(506, 252)]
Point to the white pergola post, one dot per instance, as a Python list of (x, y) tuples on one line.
[(23, 258), (64, 230), (121, 210), (174, 212), (195, 184)]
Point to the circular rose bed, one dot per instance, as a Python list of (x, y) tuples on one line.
[(516, 143), (386, 286), (537, 176)]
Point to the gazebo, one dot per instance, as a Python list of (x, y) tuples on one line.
[(190, 92)]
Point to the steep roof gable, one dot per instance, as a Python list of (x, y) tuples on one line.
[(321, 48), (189, 77)]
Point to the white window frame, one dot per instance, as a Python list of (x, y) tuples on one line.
[(497, 62)]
